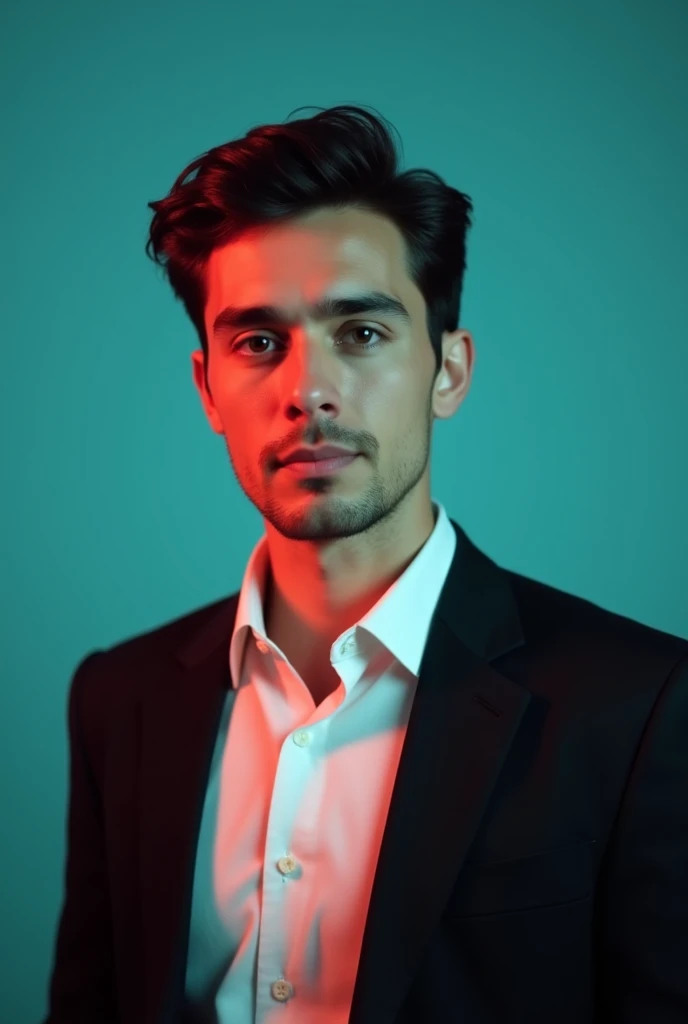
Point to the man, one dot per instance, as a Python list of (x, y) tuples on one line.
[(387, 780)]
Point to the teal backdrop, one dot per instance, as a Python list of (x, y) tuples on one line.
[(565, 123)]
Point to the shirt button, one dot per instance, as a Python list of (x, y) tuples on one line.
[(281, 990), (262, 647), (286, 864), (301, 738)]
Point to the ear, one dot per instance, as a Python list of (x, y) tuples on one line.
[(455, 373)]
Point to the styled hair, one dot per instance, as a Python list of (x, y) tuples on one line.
[(342, 157)]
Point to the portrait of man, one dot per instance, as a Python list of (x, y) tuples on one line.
[(386, 780)]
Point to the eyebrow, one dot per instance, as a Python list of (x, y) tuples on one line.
[(326, 308)]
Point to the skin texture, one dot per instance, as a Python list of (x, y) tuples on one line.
[(336, 543)]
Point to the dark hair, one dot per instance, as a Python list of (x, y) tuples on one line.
[(342, 157)]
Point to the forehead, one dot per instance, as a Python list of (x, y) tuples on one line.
[(294, 263)]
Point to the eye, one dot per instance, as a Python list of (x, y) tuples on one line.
[(361, 327)]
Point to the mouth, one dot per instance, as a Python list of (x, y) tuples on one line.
[(320, 467)]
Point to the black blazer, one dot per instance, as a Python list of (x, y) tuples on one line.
[(534, 867)]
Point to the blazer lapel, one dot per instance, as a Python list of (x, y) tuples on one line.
[(463, 720), (180, 719)]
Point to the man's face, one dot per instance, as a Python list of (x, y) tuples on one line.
[(275, 387)]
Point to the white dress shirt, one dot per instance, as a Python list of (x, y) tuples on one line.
[(297, 802)]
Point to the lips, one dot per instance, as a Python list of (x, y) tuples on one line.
[(317, 454), (320, 467)]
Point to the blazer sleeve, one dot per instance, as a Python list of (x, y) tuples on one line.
[(642, 941), (82, 984)]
